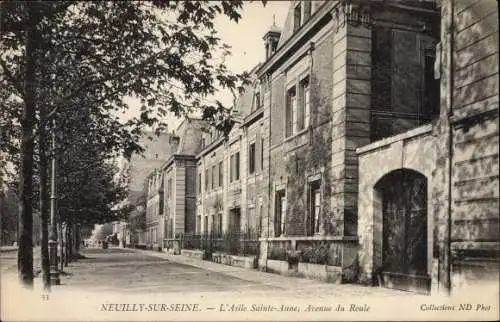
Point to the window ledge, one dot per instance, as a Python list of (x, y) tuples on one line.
[(295, 135)]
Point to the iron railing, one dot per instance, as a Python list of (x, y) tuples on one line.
[(232, 242)]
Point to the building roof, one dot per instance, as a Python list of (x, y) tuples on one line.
[(156, 151), (243, 105), (189, 133)]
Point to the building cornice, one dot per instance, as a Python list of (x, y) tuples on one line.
[(212, 146), (171, 160), (252, 117), (283, 51)]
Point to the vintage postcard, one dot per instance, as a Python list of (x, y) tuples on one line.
[(249, 160)]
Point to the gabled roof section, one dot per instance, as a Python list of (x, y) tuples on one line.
[(243, 105), (189, 132), (287, 30)]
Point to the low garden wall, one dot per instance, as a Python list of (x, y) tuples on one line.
[(331, 259), (235, 260), (193, 253)]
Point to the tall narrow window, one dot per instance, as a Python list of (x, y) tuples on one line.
[(199, 183), (279, 213), (214, 176), (317, 209), (251, 158), (221, 174), (306, 104), (206, 180), (262, 153), (297, 15), (291, 112), (306, 10), (430, 99), (283, 215), (219, 224), (169, 188), (205, 226), (256, 104), (237, 166), (231, 169), (314, 207)]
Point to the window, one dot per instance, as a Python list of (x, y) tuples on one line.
[(206, 180), (221, 174), (213, 226), (205, 226), (291, 112), (161, 204), (283, 214), (297, 15), (199, 183), (280, 213), (219, 224), (169, 188), (430, 99), (314, 205), (307, 10), (198, 224), (231, 169), (214, 176), (251, 158), (305, 104), (257, 101), (235, 167), (262, 154)]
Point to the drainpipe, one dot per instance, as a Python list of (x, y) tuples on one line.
[(450, 51)]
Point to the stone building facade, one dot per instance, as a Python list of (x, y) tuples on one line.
[(171, 194), (345, 74), (382, 151), (368, 139), (433, 197), (230, 171), (134, 172)]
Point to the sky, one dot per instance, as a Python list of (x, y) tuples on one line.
[(245, 38)]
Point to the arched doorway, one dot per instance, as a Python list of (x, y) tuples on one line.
[(403, 195)]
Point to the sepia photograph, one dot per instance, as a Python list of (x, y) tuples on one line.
[(249, 160)]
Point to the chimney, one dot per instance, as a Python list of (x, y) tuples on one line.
[(271, 39)]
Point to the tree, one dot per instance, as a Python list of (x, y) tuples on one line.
[(56, 55)]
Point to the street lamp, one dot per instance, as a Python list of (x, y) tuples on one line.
[(54, 273)]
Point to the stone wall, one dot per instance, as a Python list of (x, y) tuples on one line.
[(475, 141)]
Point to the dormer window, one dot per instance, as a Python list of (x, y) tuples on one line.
[(256, 103), (297, 16)]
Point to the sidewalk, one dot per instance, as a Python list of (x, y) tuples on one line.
[(294, 285)]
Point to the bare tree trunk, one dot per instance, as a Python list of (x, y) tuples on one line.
[(74, 242), (78, 240), (25, 250), (68, 244), (44, 203)]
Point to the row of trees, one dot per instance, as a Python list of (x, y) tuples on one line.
[(66, 68)]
